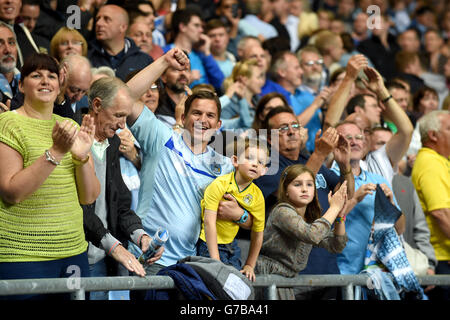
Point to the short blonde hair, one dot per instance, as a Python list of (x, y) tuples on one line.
[(241, 69), (325, 40), (61, 35), (241, 144)]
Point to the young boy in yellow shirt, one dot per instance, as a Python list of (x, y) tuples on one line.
[(216, 236)]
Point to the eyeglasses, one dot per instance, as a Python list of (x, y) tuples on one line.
[(359, 137), (284, 129), (76, 90), (310, 63), (72, 42)]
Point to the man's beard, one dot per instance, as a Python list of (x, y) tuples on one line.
[(312, 80), (176, 87), (7, 67)]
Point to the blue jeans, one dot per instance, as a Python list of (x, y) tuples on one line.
[(229, 253), (61, 268), (98, 270)]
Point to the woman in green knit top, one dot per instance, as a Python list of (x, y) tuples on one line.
[(45, 173)]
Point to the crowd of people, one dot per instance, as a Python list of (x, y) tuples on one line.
[(267, 134)]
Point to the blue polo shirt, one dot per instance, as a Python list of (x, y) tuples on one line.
[(270, 86), (358, 225)]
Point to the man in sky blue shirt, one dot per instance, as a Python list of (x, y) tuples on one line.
[(176, 167), (359, 220)]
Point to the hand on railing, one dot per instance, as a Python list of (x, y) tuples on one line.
[(128, 260)]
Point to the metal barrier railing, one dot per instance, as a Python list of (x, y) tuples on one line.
[(79, 286)]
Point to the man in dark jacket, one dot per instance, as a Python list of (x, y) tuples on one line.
[(109, 223), (111, 48), (381, 49), (29, 14)]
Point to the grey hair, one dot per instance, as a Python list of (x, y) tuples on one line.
[(308, 48), (106, 90), (107, 71), (430, 122), (19, 54), (242, 43), (280, 63), (5, 25)]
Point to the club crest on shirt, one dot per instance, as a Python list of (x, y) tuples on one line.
[(248, 199), (320, 181), (216, 169)]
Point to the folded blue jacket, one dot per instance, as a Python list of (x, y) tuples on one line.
[(187, 281)]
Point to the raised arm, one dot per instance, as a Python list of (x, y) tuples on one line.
[(339, 100), (397, 146), (342, 157), (322, 98), (139, 83), (332, 141), (324, 146)]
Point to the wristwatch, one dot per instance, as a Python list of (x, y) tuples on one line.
[(243, 218)]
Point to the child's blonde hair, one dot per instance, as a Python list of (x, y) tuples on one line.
[(241, 144), (241, 69), (313, 210)]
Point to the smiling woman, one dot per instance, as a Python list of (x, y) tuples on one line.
[(45, 173)]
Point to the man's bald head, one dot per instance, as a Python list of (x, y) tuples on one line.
[(79, 76), (111, 23)]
